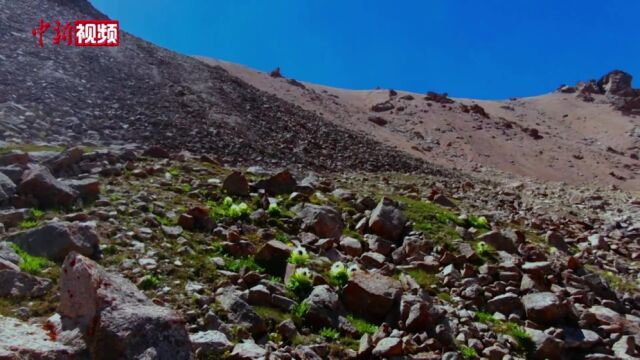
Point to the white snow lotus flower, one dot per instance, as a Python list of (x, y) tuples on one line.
[(299, 256), (353, 268), (303, 273), (337, 268)]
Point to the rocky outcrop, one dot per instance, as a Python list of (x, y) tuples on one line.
[(387, 220), (371, 295), (47, 190), (57, 239), (117, 319), (323, 221)]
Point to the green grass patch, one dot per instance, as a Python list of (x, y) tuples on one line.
[(468, 352), (425, 279), (30, 148), (28, 224), (330, 333), (437, 222), (149, 282), (363, 326), (614, 280), (237, 265), (273, 314), (31, 264), (510, 328)]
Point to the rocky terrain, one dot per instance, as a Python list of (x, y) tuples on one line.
[(588, 134), (153, 206), (139, 254)]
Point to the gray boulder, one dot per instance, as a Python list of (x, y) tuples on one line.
[(16, 284), (387, 220), (19, 340), (323, 221), (57, 239)]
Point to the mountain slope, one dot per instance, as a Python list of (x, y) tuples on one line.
[(140, 93), (556, 137)]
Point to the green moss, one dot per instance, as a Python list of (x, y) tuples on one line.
[(330, 333), (614, 280), (149, 282), (269, 313), (444, 296), (30, 148), (237, 265), (425, 279), (468, 352), (510, 328), (29, 263), (28, 224), (363, 326), (438, 223)]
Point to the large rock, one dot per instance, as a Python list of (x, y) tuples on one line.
[(247, 350), (64, 160), (210, 343), (616, 83), (47, 190), (7, 188), (505, 303), (19, 340), (544, 346), (324, 307), (273, 257), (118, 321), (499, 241), (387, 220), (280, 183), (371, 295), (543, 307), (12, 217), (323, 221), (8, 254), (18, 284), (57, 239), (236, 184), (240, 312)]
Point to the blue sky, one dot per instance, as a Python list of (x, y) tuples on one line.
[(487, 49)]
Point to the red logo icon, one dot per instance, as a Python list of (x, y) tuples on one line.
[(80, 32)]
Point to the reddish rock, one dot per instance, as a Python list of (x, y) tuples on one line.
[(47, 190), (371, 295), (236, 184), (116, 318)]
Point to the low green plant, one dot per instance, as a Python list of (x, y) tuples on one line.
[(174, 171), (149, 282), (468, 352), (185, 188), (510, 328), (282, 237), (29, 263), (330, 333), (28, 224), (300, 310), (300, 283), (339, 274), (274, 210), (362, 326), (485, 317), (445, 296), (478, 222), (37, 213), (229, 209), (166, 221), (525, 342), (238, 264), (299, 256)]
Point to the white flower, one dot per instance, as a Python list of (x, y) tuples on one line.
[(300, 251), (353, 268), (337, 268), (303, 272)]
